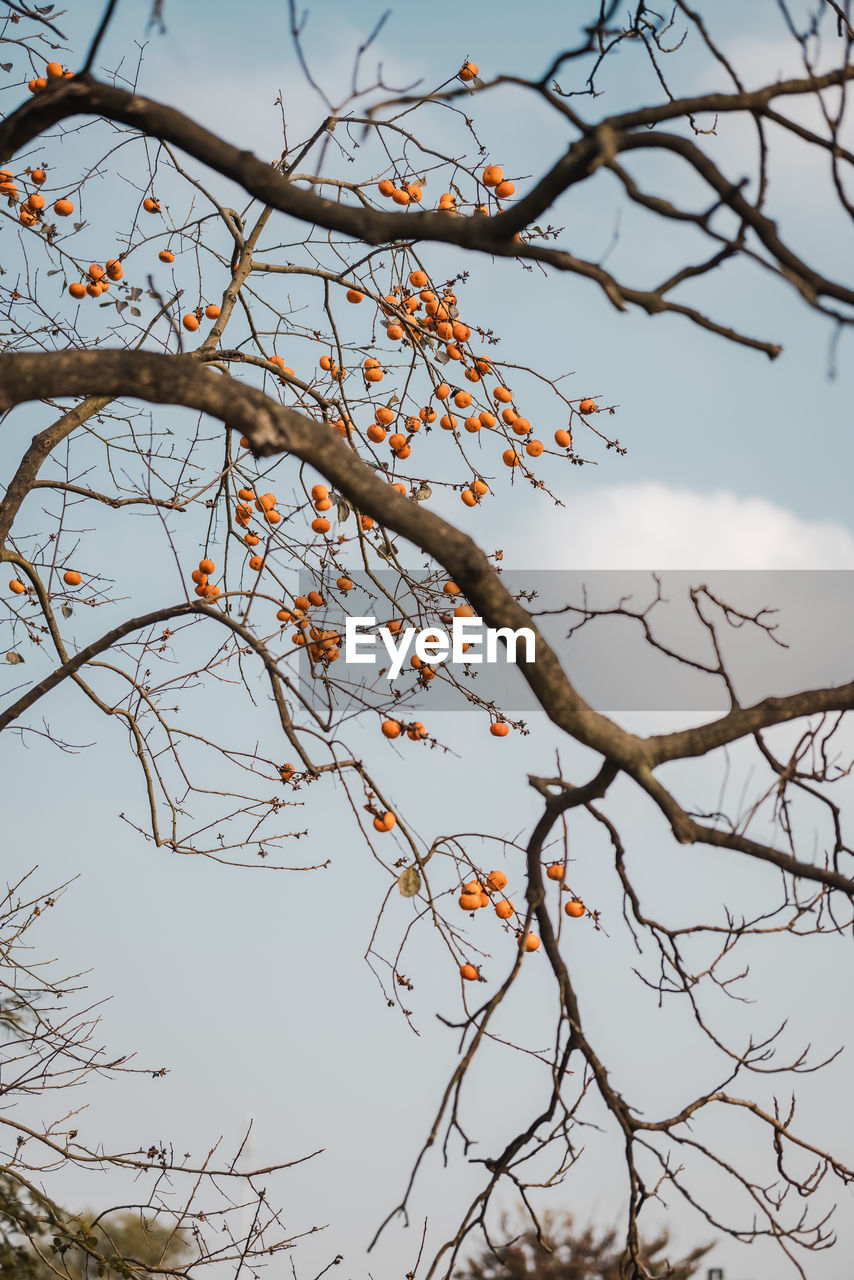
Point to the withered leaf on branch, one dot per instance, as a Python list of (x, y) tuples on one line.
[(409, 882)]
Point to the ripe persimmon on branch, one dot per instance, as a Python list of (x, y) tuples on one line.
[(157, 384)]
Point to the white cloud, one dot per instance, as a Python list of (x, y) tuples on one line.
[(795, 168), (653, 526)]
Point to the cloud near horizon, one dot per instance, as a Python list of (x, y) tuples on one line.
[(655, 526)]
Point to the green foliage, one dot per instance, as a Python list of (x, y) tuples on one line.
[(567, 1254), (126, 1243), (19, 1222)]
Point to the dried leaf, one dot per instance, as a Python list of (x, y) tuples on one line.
[(409, 882), (343, 512), (67, 611), (5, 66), (135, 311)]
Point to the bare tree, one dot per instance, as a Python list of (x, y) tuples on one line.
[(388, 396)]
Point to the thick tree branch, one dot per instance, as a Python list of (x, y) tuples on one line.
[(271, 428), (599, 146), (744, 721), (42, 445)]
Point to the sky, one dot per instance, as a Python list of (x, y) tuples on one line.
[(249, 984)]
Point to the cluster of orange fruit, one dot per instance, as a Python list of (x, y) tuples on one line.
[(393, 729), (321, 645), (322, 502), (265, 505), (409, 192), (204, 588), (32, 207), (98, 279), (53, 71), (493, 177), (192, 319), (475, 895), (440, 320), (405, 193), (329, 366)]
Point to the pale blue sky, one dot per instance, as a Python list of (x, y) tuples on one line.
[(248, 985)]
